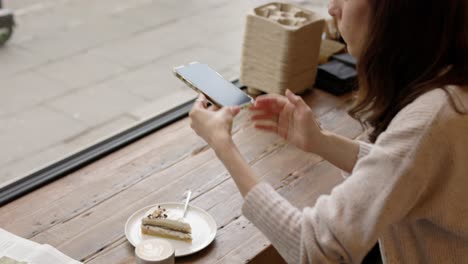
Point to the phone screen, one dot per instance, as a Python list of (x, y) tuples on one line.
[(212, 84)]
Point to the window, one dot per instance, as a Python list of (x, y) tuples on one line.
[(77, 73)]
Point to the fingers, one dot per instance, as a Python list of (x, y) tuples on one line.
[(230, 112), (275, 102), (264, 116), (200, 102), (268, 128), (296, 100), (234, 110), (213, 108), (285, 119), (265, 121), (198, 107), (270, 102)]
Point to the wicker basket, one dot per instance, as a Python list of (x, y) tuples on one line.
[(281, 48)]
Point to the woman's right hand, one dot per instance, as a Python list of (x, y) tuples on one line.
[(289, 117)]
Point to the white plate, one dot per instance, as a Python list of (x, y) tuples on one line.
[(203, 228)]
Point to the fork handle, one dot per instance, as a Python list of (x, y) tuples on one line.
[(186, 203)]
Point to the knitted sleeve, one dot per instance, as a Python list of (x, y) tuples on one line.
[(385, 185)]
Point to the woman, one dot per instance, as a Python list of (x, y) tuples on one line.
[(407, 189)]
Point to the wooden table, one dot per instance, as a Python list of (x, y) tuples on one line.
[(83, 214)]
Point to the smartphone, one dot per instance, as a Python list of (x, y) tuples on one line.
[(217, 90)]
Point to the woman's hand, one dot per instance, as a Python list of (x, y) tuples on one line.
[(289, 117), (212, 124)]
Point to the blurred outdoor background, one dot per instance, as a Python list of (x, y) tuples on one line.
[(78, 71)]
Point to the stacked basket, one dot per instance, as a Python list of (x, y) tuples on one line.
[(281, 48)]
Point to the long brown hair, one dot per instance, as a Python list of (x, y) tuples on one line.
[(412, 46)]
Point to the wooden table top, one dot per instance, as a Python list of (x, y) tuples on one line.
[(83, 214)]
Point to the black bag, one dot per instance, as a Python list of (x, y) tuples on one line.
[(338, 76)]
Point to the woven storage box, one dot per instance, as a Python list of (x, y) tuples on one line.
[(281, 48)]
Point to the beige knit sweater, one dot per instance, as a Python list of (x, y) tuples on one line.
[(409, 191)]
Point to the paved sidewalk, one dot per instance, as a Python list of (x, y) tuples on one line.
[(78, 71)]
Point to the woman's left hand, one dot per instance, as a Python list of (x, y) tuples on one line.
[(212, 124)]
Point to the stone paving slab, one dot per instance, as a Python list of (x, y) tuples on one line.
[(25, 132), (229, 42), (47, 17), (169, 101), (81, 38), (15, 59), (22, 91), (150, 82), (96, 104), (217, 59), (149, 46), (81, 70)]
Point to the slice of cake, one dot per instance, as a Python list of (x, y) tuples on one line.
[(166, 223)]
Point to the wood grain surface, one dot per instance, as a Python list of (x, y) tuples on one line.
[(83, 214)]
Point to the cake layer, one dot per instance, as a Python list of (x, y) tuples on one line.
[(174, 224), (162, 232)]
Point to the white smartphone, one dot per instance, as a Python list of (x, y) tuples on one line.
[(217, 90)]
